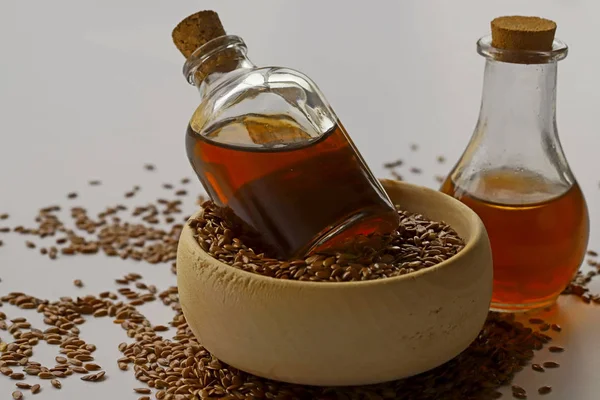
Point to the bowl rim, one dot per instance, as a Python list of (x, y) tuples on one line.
[(476, 235)]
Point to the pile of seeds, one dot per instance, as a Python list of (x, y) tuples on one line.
[(418, 243), (180, 368)]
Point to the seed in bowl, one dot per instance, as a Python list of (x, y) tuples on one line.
[(418, 243)]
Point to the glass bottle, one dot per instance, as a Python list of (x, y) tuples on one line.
[(270, 151), (515, 176)]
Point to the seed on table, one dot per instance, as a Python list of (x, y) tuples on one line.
[(17, 375), (592, 253), (56, 383), (30, 244), (46, 375), (519, 395), (60, 360), (518, 389), (17, 395), (102, 312), (149, 167), (551, 364), (416, 170), (92, 367), (160, 328), (556, 349), (35, 388), (556, 328), (142, 390), (4, 216), (537, 367), (23, 385), (78, 283), (545, 390), (72, 195), (6, 371), (94, 183)]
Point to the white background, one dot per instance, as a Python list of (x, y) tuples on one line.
[(93, 90)]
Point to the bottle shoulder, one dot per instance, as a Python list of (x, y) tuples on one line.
[(266, 92)]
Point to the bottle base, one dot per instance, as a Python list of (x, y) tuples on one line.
[(360, 229), (529, 306)]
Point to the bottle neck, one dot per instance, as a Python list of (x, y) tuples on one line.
[(519, 100), (215, 59)]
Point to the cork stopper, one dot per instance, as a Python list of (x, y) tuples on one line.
[(523, 33), (196, 30)]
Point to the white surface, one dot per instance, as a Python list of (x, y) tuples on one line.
[(94, 90)]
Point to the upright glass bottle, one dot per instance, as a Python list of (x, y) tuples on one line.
[(514, 173), (269, 149)]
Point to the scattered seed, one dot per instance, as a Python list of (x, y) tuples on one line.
[(545, 390), (46, 375), (17, 395), (149, 167), (92, 367), (17, 375), (78, 283), (556, 328), (592, 253), (72, 195), (441, 159), (142, 390), (556, 349), (536, 321), (518, 389), (56, 383), (393, 164), (416, 170), (537, 367), (551, 364), (94, 183), (35, 388), (23, 385)]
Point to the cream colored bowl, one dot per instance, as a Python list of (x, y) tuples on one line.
[(350, 333)]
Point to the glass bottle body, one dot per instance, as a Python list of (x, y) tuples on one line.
[(515, 176), (269, 150)]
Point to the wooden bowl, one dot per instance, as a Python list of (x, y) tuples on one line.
[(347, 333)]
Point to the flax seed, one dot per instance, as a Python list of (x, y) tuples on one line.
[(551, 364), (545, 390)]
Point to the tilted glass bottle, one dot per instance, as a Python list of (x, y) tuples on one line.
[(515, 175), (269, 149)]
